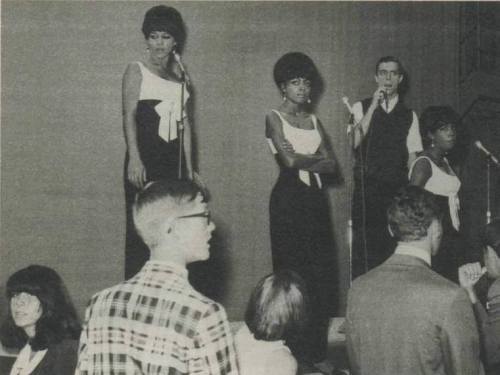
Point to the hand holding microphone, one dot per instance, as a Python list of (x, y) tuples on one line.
[(380, 96)]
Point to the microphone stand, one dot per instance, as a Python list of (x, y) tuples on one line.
[(488, 186), (180, 127), (351, 135), (351, 129)]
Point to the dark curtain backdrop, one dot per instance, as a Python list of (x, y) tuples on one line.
[(62, 200)]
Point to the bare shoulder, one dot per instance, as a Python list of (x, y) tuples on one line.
[(422, 167), (422, 163), (272, 116), (131, 83), (273, 122), (132, 71)]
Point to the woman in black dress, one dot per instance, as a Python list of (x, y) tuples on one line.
[(433, 172), (300, 224), (154, 99)]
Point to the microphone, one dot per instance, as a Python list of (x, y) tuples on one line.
[(492, 157), (178, 60), (345, 100)]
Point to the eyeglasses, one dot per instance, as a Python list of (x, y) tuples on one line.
[(386, 73), (205, 214)]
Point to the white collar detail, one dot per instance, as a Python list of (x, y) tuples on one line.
[(24, 365), (404, 249), (392, 103)]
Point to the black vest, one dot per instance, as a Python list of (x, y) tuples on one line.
[(384, 146)]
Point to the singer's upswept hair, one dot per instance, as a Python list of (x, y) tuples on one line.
[(411, 213), (295, 65), (278, 308), (435, 117), (58, 320), (163, 18), (492, 235)]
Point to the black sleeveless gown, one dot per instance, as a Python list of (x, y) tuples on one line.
[(160, 157)]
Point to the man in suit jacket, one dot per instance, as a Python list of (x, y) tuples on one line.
[(402, 317)]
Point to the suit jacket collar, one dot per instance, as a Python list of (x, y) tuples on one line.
[(404, 248), (406, 260)]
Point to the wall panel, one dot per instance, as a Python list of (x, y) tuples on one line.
[(62, 144)]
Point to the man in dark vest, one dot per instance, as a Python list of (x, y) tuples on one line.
[(387, 139)]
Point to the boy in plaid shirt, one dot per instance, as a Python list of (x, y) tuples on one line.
[(155, 322)]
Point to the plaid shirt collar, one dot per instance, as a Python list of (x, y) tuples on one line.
[(161, 266)]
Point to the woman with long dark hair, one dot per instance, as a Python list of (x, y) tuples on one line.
[(154, 101), (42, 323), (301, 238)]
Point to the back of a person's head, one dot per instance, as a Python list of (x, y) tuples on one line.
[(411, 212), (58, 320), (278, 308), (492, 235), (159, 201)]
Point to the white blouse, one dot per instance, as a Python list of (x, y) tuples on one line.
[(304, 141), (259, 357), (23, 364), (168, 92), (444, 184)]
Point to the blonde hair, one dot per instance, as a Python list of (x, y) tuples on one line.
[(278, 308)]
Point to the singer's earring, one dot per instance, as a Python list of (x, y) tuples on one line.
[(284, 97), (308, 101)]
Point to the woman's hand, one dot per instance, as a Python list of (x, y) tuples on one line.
[(287, 146), (136, 173), (468, 275), (199, 181)]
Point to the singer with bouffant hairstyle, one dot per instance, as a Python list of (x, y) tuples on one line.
[(433, 172), (301, 238), (154, 101)]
